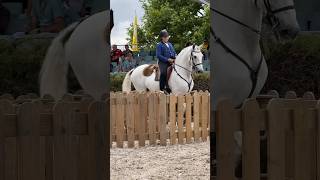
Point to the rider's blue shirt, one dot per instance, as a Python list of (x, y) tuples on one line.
[(165, 51)]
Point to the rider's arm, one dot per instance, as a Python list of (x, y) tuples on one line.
[(159, 54), (173, 50)]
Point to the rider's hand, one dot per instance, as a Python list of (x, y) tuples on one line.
[(171, 61)]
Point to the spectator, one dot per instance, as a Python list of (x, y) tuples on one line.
[(75, 10), (47, 16), (127, 51), (115, 57), (4, 18), (128, 58)]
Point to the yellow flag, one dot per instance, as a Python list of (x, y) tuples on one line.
[(135, 35)]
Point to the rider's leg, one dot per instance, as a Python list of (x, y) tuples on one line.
[(163, 75)]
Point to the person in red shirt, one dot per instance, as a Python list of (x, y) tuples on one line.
[(115, 56)]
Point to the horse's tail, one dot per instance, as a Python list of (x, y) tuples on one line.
[(53, 74), (126, 85)]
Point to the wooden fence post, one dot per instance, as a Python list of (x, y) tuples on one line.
[(141, 122), (98, 134), (189, 101), (28, 123), (130, 121), (251, 116), (225, 128), (172, 115), (204, 115), (163, 119), (152, 106), (276, 140), (120, 119)]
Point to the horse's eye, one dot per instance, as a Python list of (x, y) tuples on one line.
[(194, 57)]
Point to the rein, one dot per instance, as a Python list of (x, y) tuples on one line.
[(194, 65), (273, 20)]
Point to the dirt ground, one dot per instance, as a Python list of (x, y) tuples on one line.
[(190, 161)]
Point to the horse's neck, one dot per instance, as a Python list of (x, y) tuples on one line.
[(183, 60), (240, 39)]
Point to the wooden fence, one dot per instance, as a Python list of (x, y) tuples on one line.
[(43, 140), (155, 118), (292, 126)]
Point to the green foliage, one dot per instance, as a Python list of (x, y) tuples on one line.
[(20, 63), (185, 21), (294, 65)]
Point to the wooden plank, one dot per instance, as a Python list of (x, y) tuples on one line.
[(301, 144), (29, 142), (163, 119), (157, 111), (318, 139), (130, 121), (2, 145), (196, 116), (251, 140), (136, 115), (120, 120), (143, 116), (181, 109), (9, 170), (204, 115), (172, 117), (225, 140), (46, 143), (152, 119), (276, 140), (311, 136), (61, 115), (113, 116), (189, 101), (98, 134)]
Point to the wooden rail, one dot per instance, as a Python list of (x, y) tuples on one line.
[(291, 126), (155, 118), (43, 140)]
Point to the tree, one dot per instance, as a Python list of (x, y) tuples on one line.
[(185, 21)]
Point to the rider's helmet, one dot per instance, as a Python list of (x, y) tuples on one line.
[(164, 33)]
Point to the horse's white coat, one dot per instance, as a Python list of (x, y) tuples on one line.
[(231, 78), (85, 51), (176, 83)]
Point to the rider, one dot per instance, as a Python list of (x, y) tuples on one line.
[(166, 55)]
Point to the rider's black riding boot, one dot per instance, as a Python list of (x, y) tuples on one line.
[(163, 76)]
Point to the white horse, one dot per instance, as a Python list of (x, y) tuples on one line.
[(180, 81), (239, 70), (84, 46)]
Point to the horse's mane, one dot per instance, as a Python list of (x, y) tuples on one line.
[(187, 50)]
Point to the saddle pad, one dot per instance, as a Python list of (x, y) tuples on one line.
[(169, 71)]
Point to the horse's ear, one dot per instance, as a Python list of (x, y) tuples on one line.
[(193, 46)]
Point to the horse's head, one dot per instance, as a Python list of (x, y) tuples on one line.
[(281, 15), (196, 58)]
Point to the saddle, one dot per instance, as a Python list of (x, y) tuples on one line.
[(155, 68)]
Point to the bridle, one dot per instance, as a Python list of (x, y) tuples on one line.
[(274, 22), (271, 14), (186, 69)]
